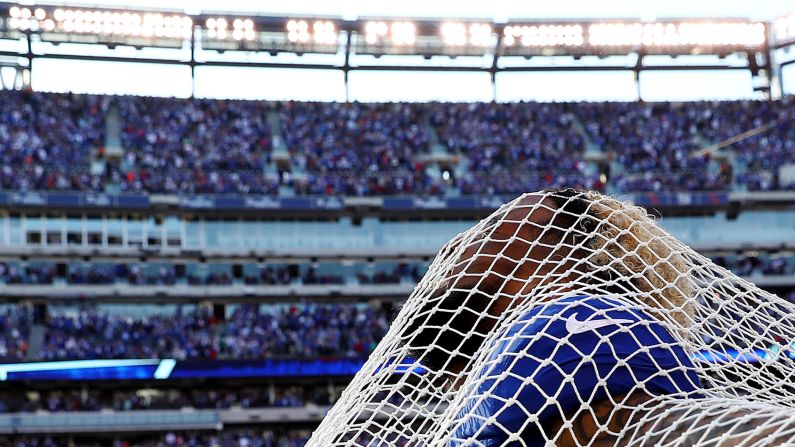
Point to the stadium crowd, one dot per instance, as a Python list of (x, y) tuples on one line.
[(357, 149), (303, 331), (42, 273), (46, 140), (194, 146), (166, 274), (226, 438), (513, 148), (198, 146), (251, 332), (89, 334), (55, 401), (300, 331), (760, 155), (752, 265), (15, 322)]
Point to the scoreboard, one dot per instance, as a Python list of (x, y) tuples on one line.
[(381, 36)]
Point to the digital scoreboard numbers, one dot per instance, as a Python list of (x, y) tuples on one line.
[(380, 36)]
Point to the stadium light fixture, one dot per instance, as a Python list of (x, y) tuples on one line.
[(24, 19), (615, 34), (237, 32), (508, 39), (298, 31), (324, 32), (375, 32), (113, 23), (784, 27), (459, 34), (682, 34), (454, 34), (543, 35), (218, 28), (404, 33), (480, 34), (732, 34), (243, 29)]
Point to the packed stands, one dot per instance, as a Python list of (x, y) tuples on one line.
[(207, 274), (357, 149), (252, 396), (46, 140), (15, 325), (297, 331), (512, 148), (759, 156), (233, 438), (303, 331), (92, 335), (757, 264), (32, 274), (653, 144), (251, 332), (194, 146), (205, 146), (225, 438)]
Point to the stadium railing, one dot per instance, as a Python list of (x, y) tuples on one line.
[(216, 293), (109, 421)]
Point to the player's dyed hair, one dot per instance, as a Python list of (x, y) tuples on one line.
[(626, 251)]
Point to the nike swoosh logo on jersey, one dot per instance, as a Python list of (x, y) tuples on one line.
[(575, 326)]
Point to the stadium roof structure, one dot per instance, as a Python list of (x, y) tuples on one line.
[(202, 39)]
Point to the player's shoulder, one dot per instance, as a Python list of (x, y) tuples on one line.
[(587, 303), (585, 321), (569, 348), (575, 313)]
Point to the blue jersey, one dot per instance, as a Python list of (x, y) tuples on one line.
[(561, 355)]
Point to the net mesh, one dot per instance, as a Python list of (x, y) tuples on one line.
[(450, 370)]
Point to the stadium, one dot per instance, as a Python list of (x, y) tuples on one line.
[(211, 217)]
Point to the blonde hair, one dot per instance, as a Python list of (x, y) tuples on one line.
[(629, 243)]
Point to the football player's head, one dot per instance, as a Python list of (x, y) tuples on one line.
[(539, 247)]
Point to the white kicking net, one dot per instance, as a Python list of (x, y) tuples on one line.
[(468, 327)]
